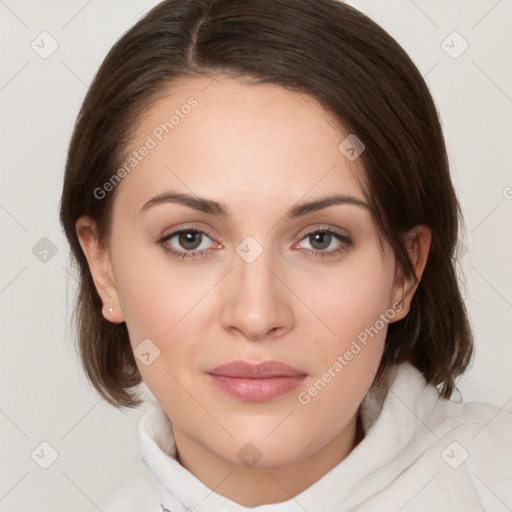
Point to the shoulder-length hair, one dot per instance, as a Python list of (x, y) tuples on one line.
[(358, 72)]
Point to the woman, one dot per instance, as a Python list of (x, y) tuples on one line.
[(258, 197)]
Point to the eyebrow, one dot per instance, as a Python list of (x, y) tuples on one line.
[(219, 209)]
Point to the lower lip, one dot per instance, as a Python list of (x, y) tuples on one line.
[(257, 390)]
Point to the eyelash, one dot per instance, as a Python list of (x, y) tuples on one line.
[(346, 242)]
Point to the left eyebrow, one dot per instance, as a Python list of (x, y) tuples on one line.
[(219, 209), (323, 202)]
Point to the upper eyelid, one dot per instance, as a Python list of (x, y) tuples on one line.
[(321, 227)]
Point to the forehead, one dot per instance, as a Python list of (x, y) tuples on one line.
[(244, 143)]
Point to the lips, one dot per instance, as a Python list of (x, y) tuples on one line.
[(265, 370), (256, 382)]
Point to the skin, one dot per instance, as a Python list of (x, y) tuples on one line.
[(260, 150)]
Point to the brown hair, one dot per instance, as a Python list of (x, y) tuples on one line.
[(359, 73)]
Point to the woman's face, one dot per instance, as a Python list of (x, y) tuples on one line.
[(248, 279)]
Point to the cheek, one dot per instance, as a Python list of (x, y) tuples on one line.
[(355, 300), (158, 304), (155, 293), (350, 298), (165, 302)]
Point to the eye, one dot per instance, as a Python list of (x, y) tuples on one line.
[(321, 239), (185, 243), (192, 243)]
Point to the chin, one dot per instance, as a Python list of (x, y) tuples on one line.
[(252, 447)]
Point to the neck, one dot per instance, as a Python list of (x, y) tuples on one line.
[(260, 485)]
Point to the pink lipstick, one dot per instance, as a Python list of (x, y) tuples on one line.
[(256, 382)]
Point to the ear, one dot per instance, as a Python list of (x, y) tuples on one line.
[(98, 258), (417, 242)]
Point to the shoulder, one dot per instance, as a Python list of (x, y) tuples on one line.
[(471, 454), (409, 397), (480, 425), (465, 446), (431, 452)]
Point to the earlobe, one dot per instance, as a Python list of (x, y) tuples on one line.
[(417, 243), (98, 259)]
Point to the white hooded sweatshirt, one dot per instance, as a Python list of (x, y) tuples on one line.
[(420, 453)]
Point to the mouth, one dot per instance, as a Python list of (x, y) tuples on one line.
[(256, 382)]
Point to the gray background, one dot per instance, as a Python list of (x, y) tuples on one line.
[(44, 394)]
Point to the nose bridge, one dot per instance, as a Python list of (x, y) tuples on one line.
[(252, 267), (256, 302), (257, 285)]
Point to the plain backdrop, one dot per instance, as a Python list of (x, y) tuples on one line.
[(463, 50)]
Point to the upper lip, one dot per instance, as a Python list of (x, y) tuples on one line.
[(265, 370)]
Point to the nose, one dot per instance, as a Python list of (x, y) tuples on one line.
[(256, 305)]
